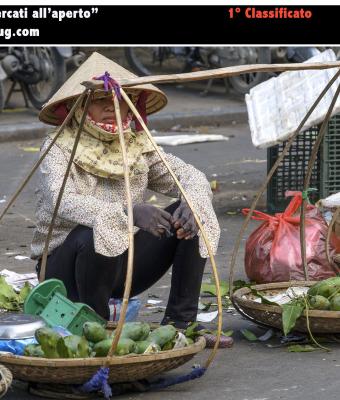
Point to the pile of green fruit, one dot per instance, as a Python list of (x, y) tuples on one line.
[(136, 337), (325, 295)]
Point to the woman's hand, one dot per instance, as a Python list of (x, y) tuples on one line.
[(184, 222), (151, 219)]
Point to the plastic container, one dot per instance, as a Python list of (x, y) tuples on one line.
[(49, 301), (133, 308)]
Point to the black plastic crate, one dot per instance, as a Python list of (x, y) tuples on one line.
[(330, 159), (291, 172)]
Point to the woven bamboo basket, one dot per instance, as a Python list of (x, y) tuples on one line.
[(80, 370), (6, 378), (270, 315)]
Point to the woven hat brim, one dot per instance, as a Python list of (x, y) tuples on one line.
[(94, 66)]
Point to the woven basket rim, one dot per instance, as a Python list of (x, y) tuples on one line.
[(240, 301), (100, 361)]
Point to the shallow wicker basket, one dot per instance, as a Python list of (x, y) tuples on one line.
[(6, 378), (79, 370), (269, 315)]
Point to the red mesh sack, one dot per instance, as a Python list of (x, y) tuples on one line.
[(273, 251)]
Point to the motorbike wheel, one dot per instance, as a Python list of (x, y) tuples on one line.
[(2, 96), (156, 60), (53, 69), (243, 83)]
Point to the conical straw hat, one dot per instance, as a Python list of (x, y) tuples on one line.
[(97, 65)]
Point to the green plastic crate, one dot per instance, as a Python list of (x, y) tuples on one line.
[(49, 301)]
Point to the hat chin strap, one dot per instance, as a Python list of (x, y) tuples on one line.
[(141, 108)]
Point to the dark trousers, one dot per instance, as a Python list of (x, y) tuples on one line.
[(93, 279)]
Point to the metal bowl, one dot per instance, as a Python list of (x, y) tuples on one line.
[(19, 326)]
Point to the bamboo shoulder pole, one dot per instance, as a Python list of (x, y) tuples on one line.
[(226, 72), (269, 176), (309, 171), (62, 188), (221, 73), (42, 157), (206, 240), (129, 271)]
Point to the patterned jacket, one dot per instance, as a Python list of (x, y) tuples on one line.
[(99, 202)]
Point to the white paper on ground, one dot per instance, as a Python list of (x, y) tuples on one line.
[(21, 258), (150, 301), (175, 140), (18, 280), (206, 317), (155, 307), (277, 106)]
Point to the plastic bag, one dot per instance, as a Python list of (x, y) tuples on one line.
[(16, 346), (273, 252), (132, 311)]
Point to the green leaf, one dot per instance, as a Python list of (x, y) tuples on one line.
[(227, 333), (263, 299), (238, 284), (24, 292), (204, 306), (248, 335), (290, 313), (211, 288), (299, 348), (191, 331)]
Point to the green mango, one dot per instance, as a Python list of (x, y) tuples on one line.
[(162, 335), (102, 348), (94, 332), (124, 346), (335, 303), (48, 339), (318, 302), (142, 345), (33, 350), (190, 341), (325, 288), (168, 346), (136, 331), (73, 346)]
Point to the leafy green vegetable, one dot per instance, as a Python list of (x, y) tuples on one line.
[(249, 335), (24, 292), (227, 333), (9, 300), (211, 288), (290, 313), (204, 306), (299, 348)]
